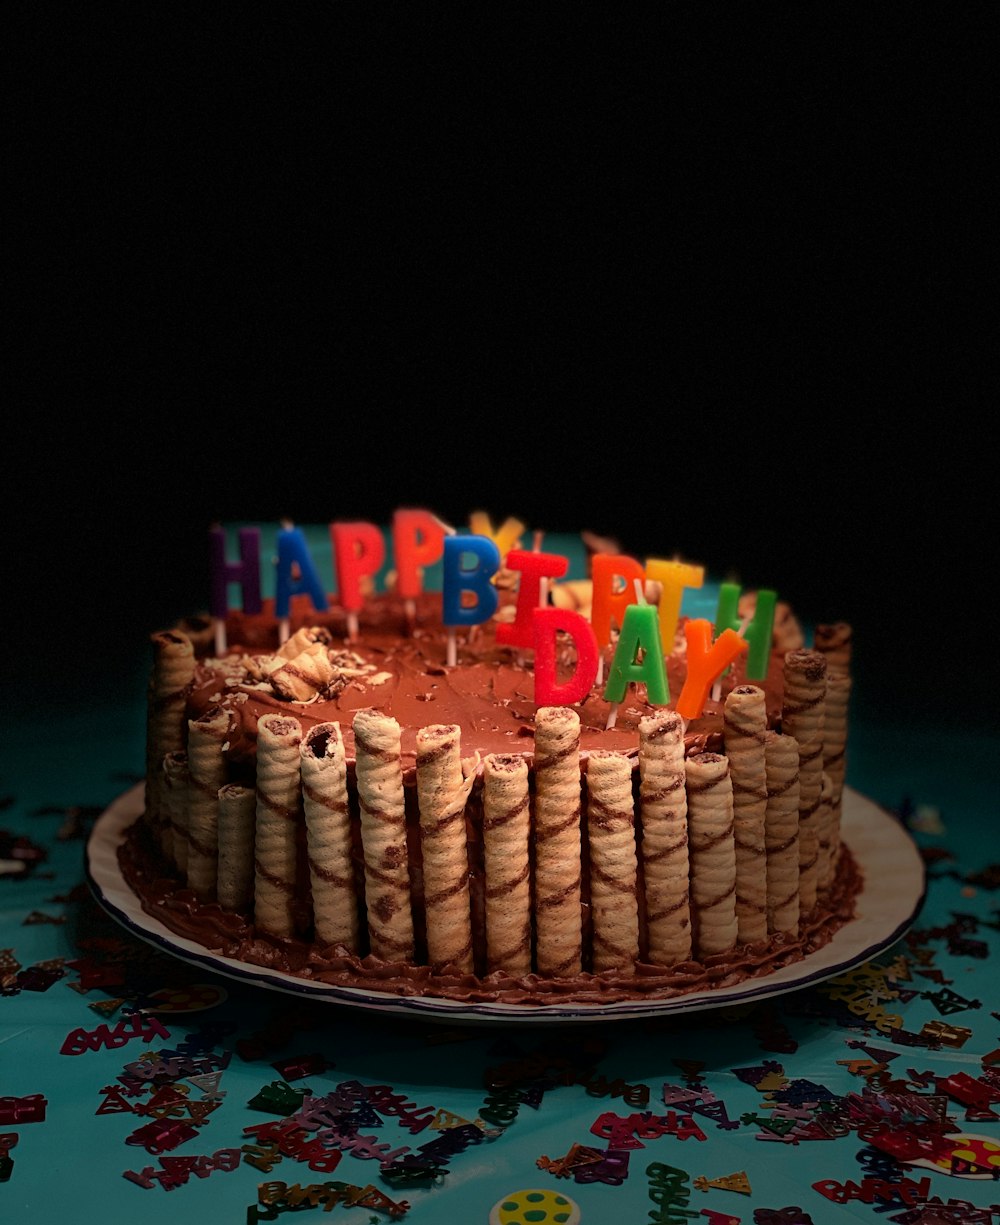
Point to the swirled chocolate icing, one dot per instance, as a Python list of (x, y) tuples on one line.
[(398, 665)]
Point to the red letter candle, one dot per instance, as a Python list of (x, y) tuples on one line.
[(546, 624), (705, 661), (246, 571), (293, 554), (640, 632), (475, 579), (608, 600), (358, 550), (533, 568), (417, 542), (673, 577), (758, 632)]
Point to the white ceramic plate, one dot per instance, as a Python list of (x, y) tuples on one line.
[(893, 893)]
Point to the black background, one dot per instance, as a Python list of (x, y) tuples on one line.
[(712, 282)]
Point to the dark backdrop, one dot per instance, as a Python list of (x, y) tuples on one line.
[(709, 285)]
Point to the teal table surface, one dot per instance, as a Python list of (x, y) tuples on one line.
[(772, 1101)]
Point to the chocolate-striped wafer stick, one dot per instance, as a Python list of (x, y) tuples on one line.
[(558, 920), (613, 864), (237, 821), (712, 850), (383, 835), (834, 642), (802, 716), (781, 832), (279, 809), (506, 832), (663, 808), (442, 791), (744, 726), (826, 851), (166, 693), (328, 835), (207, 773), (174, 810)]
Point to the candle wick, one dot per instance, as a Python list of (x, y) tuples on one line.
[(445, 527)]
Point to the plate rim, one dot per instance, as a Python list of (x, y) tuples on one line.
[(869, 830)]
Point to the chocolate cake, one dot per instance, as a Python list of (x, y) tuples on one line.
[(332, 797)]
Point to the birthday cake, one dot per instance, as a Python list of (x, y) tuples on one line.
[(401, 795)]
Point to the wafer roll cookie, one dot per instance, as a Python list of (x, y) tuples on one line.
[(781, 832), (558, 921), (303, 676), (834, 642), (383, 835), (663, 807), (174, 799), (802, 716), (442, 792), (825, 850), (237, 819), (744, 728), (207, 773), (328, 835), (838, 692), (506, 831), (712, 853), (171, 673), (278, 808), (613, 862), (303, 638)]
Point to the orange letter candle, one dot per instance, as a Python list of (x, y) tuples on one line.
[(608, 601), (705, 661), (533, 568)]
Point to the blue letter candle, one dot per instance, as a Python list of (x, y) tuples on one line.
[(293, 550), (457, 578)]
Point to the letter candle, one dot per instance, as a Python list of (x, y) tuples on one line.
[(534, 568), (417, 541), (673, 577), (359, 551), (296, 572), (475, 579), (608, 601), (246, 572), (705, 661), (546, 625), (640, 635), (757, 630)]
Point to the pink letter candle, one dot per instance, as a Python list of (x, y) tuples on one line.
[(359, 551), (533, 567), (296, 572), (758, 632), (673, 577), (705, 661), (546, 625)]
